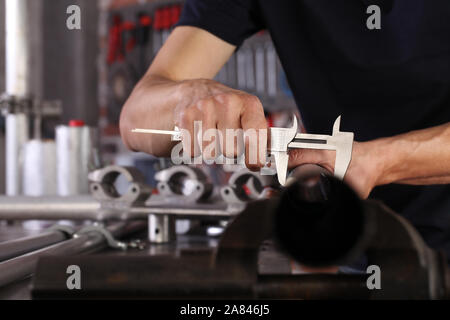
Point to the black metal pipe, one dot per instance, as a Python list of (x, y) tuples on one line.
[(320, 221), (23, 266), (18, 247)]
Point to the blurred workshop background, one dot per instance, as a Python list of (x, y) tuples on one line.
[(91, 72), (62, 160)]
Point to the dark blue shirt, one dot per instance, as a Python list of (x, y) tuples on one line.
[(383, 82)]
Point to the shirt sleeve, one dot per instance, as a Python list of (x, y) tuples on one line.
[(231, 20)]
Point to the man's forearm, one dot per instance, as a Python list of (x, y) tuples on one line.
[(418, 157)]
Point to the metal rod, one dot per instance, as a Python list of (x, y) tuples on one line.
[(17, 247), (87, 208), (17, 56), (48, 208), (24, 266), (17, 52)]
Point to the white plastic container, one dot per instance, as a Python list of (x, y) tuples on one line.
[(75, 145)]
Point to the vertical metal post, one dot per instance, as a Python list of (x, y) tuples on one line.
[(16, 137), (161, 228), (17, 88), (17, 48)]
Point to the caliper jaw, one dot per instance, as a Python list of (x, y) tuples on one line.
[(283, 139), (343, 144), (279, 141)]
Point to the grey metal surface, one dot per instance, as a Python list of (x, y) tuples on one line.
[(171, 275), (14, 230), (48, 208), (16, 291), (192, 244), (14, 248), (23, 266), (17, 47)]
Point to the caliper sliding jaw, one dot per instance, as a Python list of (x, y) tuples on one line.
[(283, 139)]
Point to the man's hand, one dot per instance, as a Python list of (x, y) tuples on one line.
[(220, 108), (177, 91)]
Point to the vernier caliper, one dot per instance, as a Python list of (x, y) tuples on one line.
[(283, 139)]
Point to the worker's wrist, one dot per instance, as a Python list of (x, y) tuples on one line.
[(365, 168), (387, 157)]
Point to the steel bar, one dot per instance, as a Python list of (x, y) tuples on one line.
[(195, 211), (23, 266), (87, 208), (17, 247), (48, 208)]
